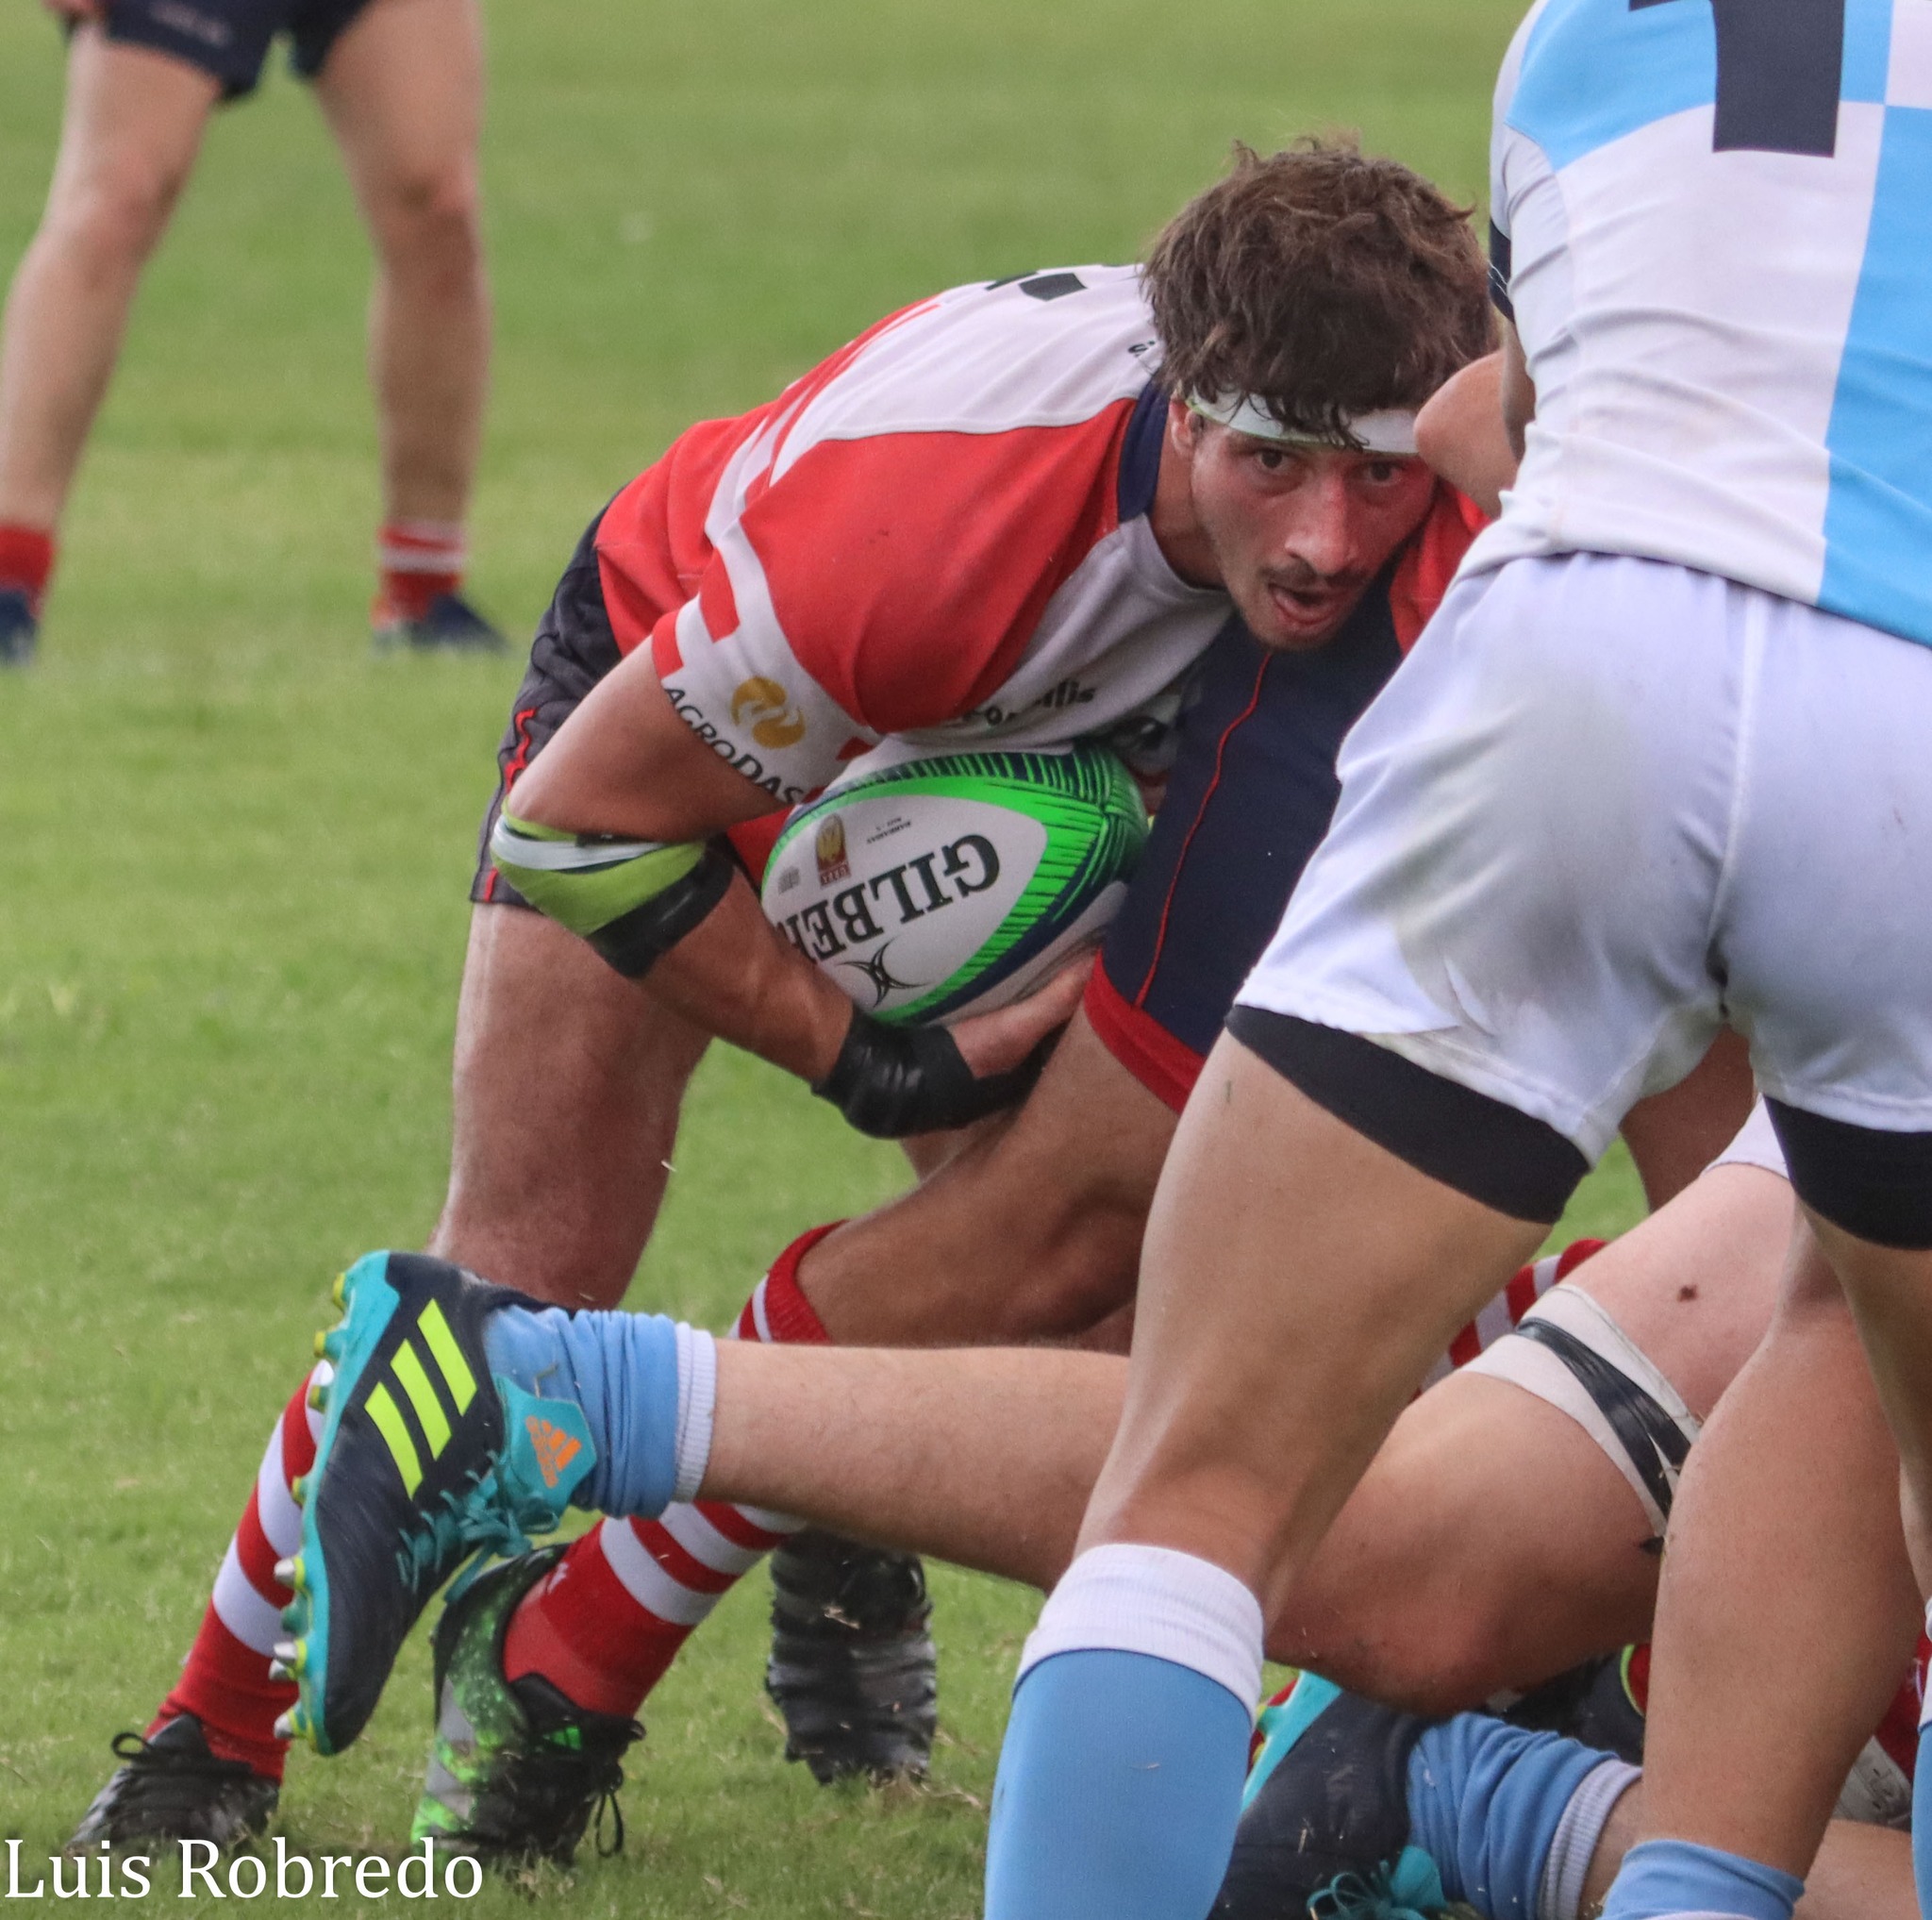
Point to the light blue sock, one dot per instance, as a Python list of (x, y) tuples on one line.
[(645, 1385), (1119, 1783), (1511, 1816), (1922, 1820), (1674, 1879), (1119, 1788)]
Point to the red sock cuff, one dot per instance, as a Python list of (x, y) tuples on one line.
[(418, 560), (1575, 1254), (27, 559), (778, 1310), (430, 546), (227, 1687)]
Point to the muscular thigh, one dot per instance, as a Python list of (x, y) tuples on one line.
[(567, 1089), (401, 83), (1695, 1284), (568, 1077), (1490, 1545)]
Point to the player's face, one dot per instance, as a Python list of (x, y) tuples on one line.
[(1298, 533)]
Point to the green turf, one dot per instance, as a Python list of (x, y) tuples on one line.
[(234, 846)]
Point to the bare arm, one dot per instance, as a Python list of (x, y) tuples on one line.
[(1470, 432), (1460, 434), (1519, 391), (624, 764)]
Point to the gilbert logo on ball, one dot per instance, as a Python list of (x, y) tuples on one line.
[(931, 885)]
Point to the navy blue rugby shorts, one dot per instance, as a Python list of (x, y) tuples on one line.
[(229, 40), (1249, 800)]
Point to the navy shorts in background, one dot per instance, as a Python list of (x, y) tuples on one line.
[(228, 39), (1249, 800)]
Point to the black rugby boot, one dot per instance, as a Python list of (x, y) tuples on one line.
[(170, 1787), (853, 1667), (19, 629), (451, 625)]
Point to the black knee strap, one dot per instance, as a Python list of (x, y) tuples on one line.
[(634, 943), (1652, 1442)]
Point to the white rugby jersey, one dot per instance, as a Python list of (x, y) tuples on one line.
[(1714, 225), (940, 534)]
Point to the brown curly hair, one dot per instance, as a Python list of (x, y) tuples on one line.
[(1321, 284)]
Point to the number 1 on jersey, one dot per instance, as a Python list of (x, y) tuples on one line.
[(1779, 68)]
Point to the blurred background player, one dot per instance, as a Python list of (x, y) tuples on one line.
[(401, 85)]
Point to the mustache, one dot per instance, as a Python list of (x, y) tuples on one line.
[(1303, 579)]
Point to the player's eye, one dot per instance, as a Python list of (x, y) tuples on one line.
[(1270, 458)]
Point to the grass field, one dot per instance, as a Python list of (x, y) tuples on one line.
[(231, 891)]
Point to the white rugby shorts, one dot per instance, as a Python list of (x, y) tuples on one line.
[(1607, 804)]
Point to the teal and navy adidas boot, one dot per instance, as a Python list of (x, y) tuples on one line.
[(1324, 1827), (518, 1768), (424, 1460)]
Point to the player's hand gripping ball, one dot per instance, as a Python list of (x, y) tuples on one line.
[(930, 886)]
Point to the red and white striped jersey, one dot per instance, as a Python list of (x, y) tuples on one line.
[(940, 534)]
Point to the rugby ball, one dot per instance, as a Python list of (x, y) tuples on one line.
[(933, 885)]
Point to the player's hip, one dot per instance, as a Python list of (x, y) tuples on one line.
[(1607, 804)]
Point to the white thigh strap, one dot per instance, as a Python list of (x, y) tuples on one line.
[(1616, 1414)]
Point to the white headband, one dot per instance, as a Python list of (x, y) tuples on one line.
[(1388, 432)]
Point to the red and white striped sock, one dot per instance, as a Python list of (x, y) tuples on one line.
[(605, 1623), (27, 560), (224, 1680), (1526, 1287), (417, 560)]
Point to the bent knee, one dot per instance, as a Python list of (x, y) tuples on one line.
[(114, 216), (429, 213), (1405, 1646), (1081, 1268)]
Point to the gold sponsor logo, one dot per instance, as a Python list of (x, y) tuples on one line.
[(775, 721)]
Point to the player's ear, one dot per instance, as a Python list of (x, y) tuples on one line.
[(1184, 428)]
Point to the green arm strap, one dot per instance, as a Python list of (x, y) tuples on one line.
[(585, 883)]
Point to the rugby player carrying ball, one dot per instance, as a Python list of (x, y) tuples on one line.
[(986, 522)]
